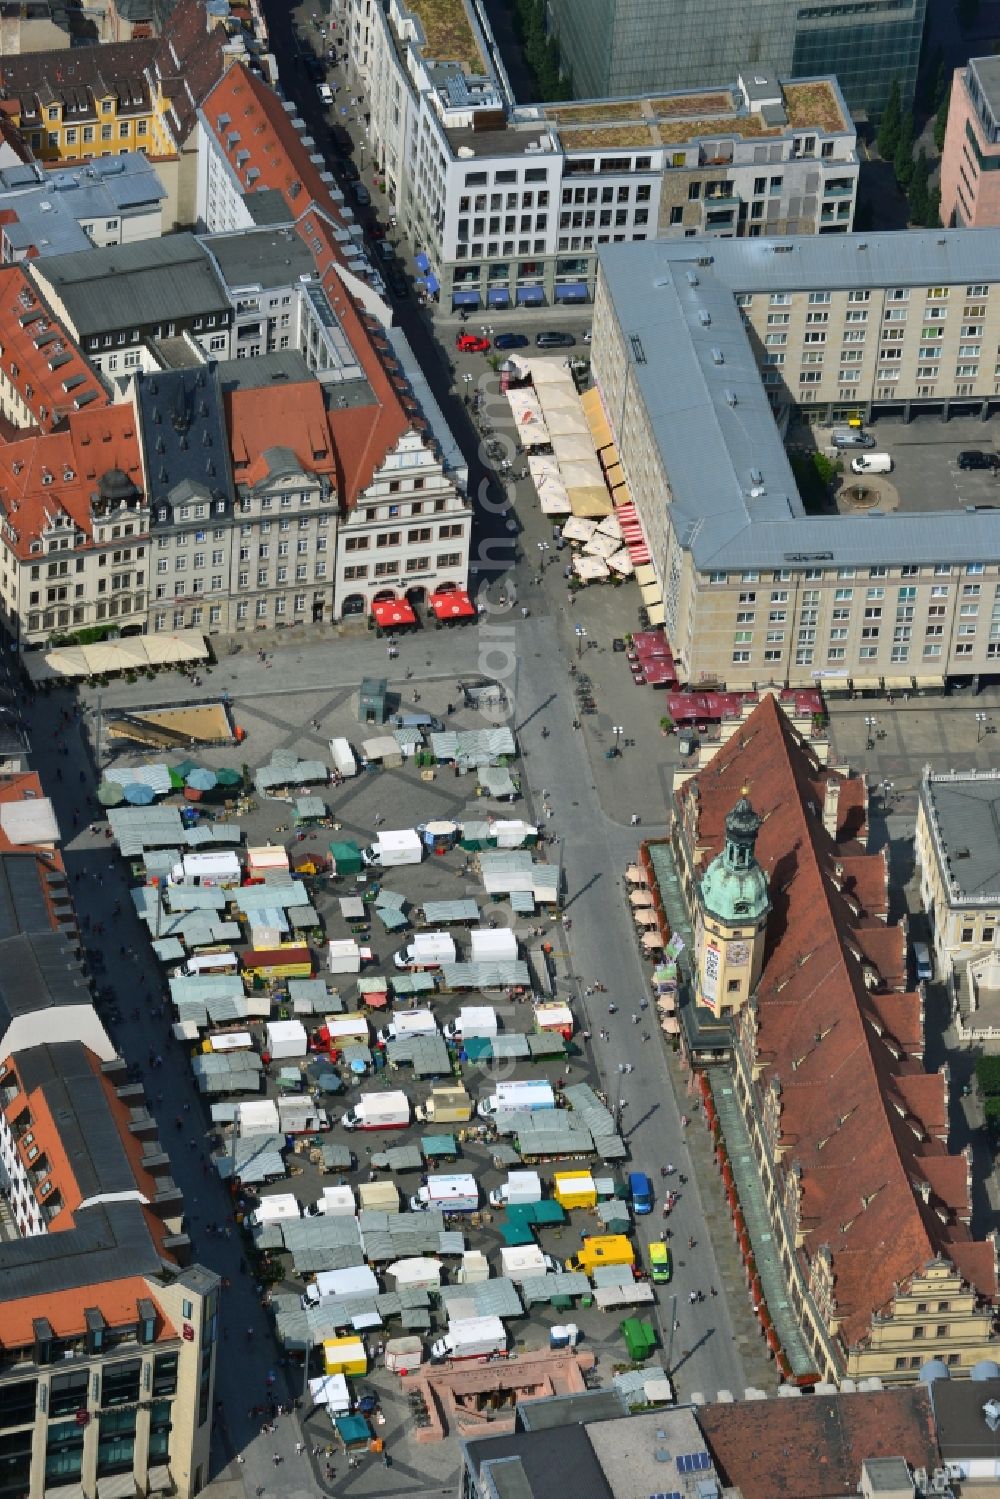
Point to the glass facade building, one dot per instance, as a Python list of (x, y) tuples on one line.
[(619, 48)]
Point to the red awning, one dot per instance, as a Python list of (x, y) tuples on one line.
[(688, 707), (389, 612), (648, 643), (455, 604), (657, 673)]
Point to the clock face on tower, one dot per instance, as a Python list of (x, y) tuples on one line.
[(738, 953)]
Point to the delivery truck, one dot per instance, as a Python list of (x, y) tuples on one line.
[(407, 1024), (471, 1337), (338, 1031), (217, 868), (393, 848), (449, 1194), (522, 1098), (574, 1189), (201, 963), (427, 950), (343, 955), (555, 1018), (602, 1249), (378, 1197), (446, 1105), (525, 1261), (357, 1280), (378, 1111), (521, 1187), (278, 1209), (336, 1202), (492, 945), (472, 1021), (342, 758)]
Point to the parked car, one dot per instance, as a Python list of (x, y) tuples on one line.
[(361, 193), (974, 458), (377, 230), (398, 284), (511, 341), (325, 92), (349, 170), (472, 343), (851, 437), (554, 340)]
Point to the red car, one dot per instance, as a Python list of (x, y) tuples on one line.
[(472, 343)]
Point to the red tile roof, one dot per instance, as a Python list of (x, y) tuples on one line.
[(858, 1116), (116, 1299), (813, 1447), (289, 416), (40, 359), (242, 104), (74, 460)]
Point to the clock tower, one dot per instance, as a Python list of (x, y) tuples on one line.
[(733, 904)]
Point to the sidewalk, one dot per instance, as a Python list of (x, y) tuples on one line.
[(758, 1366)]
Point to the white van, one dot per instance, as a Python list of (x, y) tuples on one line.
[(201, 963), (922, 962), (872, 463)]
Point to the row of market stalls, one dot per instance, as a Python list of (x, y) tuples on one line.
[(142, 785), (576, 469), (106, 658)]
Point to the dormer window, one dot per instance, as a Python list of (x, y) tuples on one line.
[(161, 513)]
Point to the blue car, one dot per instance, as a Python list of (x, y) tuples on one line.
[(510, 341)]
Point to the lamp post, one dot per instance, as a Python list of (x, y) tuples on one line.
[(981, 721), (871, 724), (618, 730), (581, 636)]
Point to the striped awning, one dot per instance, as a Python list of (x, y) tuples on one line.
[(632, 533)]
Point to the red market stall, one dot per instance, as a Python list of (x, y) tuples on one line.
[(392, 614), (451, 605)]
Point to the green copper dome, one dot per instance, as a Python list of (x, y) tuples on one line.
[(734, 887)]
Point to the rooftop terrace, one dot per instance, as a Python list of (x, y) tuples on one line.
[(449, 33)]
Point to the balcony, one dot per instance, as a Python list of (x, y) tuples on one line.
[(838, 190)]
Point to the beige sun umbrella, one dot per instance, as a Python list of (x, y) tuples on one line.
[(645, 918), (636, 875), (641, 897), (651, 941)]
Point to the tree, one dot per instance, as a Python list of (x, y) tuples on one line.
[(941, 119), (933, 217), (890, 124), (902, 161), (918, 194)]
